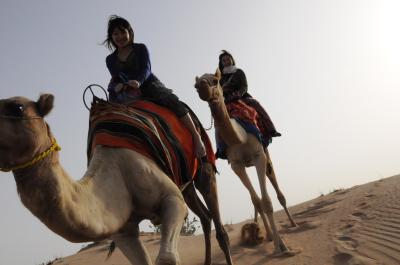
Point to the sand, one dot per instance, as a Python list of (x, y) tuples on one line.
[(355, 226)]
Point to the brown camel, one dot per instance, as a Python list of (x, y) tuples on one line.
[(244, 150), (112, 197)]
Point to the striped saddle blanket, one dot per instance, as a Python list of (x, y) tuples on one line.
[(149, 129), (251, 120)]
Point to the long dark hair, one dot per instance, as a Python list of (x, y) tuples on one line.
[(117, 22), (224, 53)]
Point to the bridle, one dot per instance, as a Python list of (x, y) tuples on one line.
[(212, 118), (53, 147)]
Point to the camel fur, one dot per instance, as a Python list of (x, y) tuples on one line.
[(119, 189)]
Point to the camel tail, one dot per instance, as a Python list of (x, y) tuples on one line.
[(111, 249)]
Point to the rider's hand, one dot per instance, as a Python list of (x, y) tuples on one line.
[(119, 87), (133, 83)]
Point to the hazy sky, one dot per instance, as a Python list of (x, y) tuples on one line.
[(328, 73)]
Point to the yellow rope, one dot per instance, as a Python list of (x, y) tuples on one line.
[(53, 147)]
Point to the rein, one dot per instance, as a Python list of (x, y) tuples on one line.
[(41, 156)]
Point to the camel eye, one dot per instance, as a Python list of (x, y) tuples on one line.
[(215, 81), (15, 109)]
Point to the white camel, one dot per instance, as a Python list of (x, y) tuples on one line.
[(244, 150), (110, 199)]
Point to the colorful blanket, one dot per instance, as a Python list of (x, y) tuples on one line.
[(249, 119), (149, 129)]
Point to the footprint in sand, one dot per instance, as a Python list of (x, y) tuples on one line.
[(346, 242), (342, 258), (349, 259), (360, 215), (363, 205), (301, 226), (317, 209)]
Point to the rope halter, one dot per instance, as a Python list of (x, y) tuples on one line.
[(54, 147)]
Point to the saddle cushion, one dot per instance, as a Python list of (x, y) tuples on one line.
[(149, 129), (249, 119)]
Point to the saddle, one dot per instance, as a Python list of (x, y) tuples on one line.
[(150, 130)]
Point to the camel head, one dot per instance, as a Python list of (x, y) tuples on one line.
[(251, 234), (24, 133), (208, 87)]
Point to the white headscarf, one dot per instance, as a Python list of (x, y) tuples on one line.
[(229, 69)]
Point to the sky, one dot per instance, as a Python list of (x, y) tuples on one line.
[(326, 71)]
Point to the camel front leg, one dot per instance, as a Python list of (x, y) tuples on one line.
[(132, 247), (260, 163), (272, 177), (173, 213), (240, 171)]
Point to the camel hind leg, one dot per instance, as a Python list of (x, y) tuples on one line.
[(260, 164), (272, 177), (207, 185)]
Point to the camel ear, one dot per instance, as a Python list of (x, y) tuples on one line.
[(45, 104), (218, 74)]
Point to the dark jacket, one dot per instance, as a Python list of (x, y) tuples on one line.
[(138, 67), (234, 85)]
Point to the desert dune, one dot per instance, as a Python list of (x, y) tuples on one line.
[(355, 226)]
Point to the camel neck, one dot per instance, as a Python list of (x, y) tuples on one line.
[(223, 123), (69, 208)]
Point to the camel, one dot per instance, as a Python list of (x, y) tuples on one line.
[(244, 150), (250, 234), (111, 198)]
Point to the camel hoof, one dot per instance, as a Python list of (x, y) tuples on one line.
[(268, 238), (167, 259), (286, 253)]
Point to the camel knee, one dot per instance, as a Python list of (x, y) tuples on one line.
[(257, 203), (267, 205), (173, 207)]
